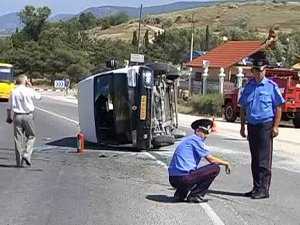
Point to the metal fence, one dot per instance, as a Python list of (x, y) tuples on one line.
[(212, 86)]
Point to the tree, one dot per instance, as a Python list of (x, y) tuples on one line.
[(207, 37), (146, 39), (118, 18), (242, 22), (134, 41), (34, 20), (30, 59), (76, 71), (167, 23), (104, 50), (105, 24), (5, 49), (87, 20), (239, 34)]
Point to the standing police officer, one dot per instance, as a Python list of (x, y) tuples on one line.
[(260, 104)]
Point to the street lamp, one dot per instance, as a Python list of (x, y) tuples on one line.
[(191, 56)]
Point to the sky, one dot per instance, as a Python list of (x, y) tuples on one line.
[(74, 6)]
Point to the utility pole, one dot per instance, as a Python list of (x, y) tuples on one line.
[(139, 36), (191, 56)]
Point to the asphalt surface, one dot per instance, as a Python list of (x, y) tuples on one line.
[(123, 187)]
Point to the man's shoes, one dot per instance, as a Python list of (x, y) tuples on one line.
[(179, 196), (196, 199), (260, 195), (21, 165), (27, 161), (250, 193)]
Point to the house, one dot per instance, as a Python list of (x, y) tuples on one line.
[(230, 56)]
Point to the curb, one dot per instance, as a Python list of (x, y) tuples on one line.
[(48, 90)]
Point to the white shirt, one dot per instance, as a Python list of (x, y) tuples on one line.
[(21, 99)]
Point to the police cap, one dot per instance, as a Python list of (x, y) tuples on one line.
[(204, 124), (259, 64)]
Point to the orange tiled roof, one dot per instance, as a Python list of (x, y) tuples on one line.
[(228, 54)]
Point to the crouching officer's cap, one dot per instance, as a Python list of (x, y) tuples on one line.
[(204, 124)]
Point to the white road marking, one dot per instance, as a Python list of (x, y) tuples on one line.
[(158, 161), (57, 115), (216, 220), (206, 207)]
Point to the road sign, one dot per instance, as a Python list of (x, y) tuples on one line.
[(137, 58), (59, 84)]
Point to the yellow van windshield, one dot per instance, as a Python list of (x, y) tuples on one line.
[(6, 74)]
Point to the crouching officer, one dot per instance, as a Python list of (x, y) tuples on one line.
[(260, 104), (190, 180)]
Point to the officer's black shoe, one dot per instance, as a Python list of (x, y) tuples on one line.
[(250, 193), (196, 199), (260, 195)]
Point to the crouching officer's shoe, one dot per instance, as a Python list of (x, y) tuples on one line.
[(260, 195), (196, 199), (179, 196)]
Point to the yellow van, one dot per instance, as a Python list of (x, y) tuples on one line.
[(6, 80)]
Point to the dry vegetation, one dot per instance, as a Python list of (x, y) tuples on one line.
[(258, 16), (122, 32)]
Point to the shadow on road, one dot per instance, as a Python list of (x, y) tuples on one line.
[(71, 142), (7, 166), (226, 193), (161, 198), (234, 139)]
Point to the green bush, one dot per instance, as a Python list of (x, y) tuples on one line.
[(210, 104), (41, 82)]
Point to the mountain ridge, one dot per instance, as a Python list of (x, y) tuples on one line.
[(9, 22)]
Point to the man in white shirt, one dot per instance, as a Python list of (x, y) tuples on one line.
[(21, 106)]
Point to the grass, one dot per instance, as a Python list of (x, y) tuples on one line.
[(122, 32), (185, 109), (260, 16)]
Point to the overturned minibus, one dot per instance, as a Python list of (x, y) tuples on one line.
[(133, 106)]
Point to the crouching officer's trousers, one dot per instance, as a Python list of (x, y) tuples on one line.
[(197, 182), (261, 147)]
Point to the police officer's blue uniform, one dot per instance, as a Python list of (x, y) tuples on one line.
[(184, 172), (259, 100)]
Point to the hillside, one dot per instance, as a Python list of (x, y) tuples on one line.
[(152, 10), (9, 22), (257, 15)]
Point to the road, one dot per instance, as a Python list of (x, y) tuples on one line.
[(123, 187)]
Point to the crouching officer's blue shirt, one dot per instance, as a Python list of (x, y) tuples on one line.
[(260, 100), (188, 155)]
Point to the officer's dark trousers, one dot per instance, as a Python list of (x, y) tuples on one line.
[(261, 147), (198, 181)]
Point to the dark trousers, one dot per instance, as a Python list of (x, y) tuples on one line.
[(198, 181), (261, 147)]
